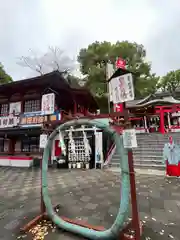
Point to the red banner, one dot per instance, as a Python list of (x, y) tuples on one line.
[(120, 63)]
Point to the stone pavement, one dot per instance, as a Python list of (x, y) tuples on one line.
[(92, 196)]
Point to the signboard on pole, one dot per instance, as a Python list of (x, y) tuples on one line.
[(129, 138), (122, 88), (43, 141), (48, 104)]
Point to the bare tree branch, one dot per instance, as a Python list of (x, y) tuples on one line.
[(53, 60)]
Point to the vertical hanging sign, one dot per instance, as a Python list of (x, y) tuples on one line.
[(48, 104), (122, 88)]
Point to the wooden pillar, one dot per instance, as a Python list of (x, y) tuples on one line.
[(11, 146)]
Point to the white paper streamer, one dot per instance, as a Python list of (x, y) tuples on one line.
[(62, 144), (72, 142), (87, 147)]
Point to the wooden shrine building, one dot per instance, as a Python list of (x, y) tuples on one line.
[(21, 119)]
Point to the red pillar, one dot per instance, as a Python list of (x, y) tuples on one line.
[(161, 115)]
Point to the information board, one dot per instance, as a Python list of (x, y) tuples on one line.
[(129, 138)]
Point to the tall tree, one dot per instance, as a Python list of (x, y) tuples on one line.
[(53, 59), (93, 60), (170, 82), (4, 77)]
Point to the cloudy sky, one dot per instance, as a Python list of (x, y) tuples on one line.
[(73, 24)]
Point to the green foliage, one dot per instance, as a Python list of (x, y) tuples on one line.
[(4, 77), (73, 81), (170, 82), (93, 61), (102, 103)]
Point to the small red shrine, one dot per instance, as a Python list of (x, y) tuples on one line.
[(155, 113)]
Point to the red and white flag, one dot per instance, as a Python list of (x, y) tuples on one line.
[(120, 63)]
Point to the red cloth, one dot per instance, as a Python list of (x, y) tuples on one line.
[(57, 149), (172, 170)]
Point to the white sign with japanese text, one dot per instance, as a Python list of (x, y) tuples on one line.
[(129, 138), (9, 121), (122, 88), (48, 103), (43, 140)]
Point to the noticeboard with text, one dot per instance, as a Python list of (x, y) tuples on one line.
[(129, 138)]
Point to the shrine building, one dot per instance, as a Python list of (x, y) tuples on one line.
[(22, 119), (158, 112)]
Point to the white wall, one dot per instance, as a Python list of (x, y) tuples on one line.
[(15, 162)]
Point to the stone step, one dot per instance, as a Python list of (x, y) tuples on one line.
[(148, 151), (153, 143), (152, 157), (148, 161), (149, 166), (142, 166), (145, 159)]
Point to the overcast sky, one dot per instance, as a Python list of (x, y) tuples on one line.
[(73, 24)]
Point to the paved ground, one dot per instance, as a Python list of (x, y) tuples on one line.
[(90, 195)]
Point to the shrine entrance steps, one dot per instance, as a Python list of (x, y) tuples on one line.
[(149, 153)]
